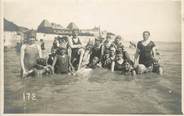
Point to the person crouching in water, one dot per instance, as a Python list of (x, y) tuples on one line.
[(96, 49), (128, 69), (94, 63), (30, 52), (105, 58), (109, 58), (123, 65), (61, 62)]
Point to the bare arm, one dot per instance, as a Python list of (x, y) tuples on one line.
[(22, 53), (154, 51), (102, 50), (112, 66), (39, 51), (136, 55), (54, 61)]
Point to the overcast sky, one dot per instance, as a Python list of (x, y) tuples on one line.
[(128, 18)]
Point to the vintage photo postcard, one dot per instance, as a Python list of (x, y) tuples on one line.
[(91, 57)]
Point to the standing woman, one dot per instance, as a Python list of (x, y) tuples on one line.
[(146, 53)]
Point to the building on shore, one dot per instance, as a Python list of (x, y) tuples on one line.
[(53, 28)]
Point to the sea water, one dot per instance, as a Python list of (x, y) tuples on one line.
[(96, 91)]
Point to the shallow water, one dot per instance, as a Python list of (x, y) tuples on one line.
[(96, 91)]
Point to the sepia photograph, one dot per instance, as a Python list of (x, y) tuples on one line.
[(92, 56)]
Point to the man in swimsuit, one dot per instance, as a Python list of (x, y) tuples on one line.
[(77, 49), (30, 52), (105, 58), (146, 52), (96, 50), (107, 43), (108, 63), (117, 43)]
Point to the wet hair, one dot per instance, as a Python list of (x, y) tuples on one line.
[(146, 32)]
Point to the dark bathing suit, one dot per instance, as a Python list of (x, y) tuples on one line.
[(118, 66), (96, 52), (75, 53), (146, 56), (43, 46), (62, 64)]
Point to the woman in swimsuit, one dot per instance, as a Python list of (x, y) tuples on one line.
[(146, 52)]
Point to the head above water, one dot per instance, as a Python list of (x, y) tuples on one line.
[(118, 39), (30, 36), (95, 60), (108, 37), (146, 35), (126, 65), (112, 51), (119, 56), (75, 32)]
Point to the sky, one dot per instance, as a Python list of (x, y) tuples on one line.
[(128, 18)]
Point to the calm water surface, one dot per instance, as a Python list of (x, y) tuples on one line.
[(96, 91)]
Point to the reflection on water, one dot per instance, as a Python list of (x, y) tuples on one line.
[(95, 91)]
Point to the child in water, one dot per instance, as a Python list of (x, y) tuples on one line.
[(128, 69), (119, 64), (42, 68), (156, 68), (94, 63), (61, 62)]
